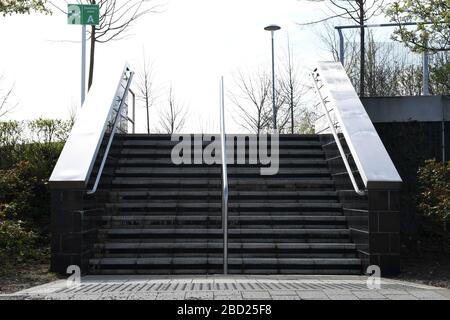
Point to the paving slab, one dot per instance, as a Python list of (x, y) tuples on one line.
[(312, 295), (368, 294), (425, 294), (342, 297), (199, 295), (287, 297), (256, 295), (142, 287), (401, 297), (171, 296)]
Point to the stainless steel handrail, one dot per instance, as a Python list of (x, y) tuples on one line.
[(133, 118), (111, 137), (224, 179), (335, 135)]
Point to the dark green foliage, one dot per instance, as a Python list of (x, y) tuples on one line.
[(16, 241), (431, 36), (434, 196), (8, 7), (409, 144), (28, 153)]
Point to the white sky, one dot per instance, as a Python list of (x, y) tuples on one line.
[(191, 44)]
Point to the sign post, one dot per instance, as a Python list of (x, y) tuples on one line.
[(83, 14)]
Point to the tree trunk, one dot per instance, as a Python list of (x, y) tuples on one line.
[(292, 110), (148, 116), (362, 50), (91, 58)]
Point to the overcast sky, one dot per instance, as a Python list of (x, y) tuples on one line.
[(191, 44)]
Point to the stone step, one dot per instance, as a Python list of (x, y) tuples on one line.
[(218, 253), (272, 219), (140, 233), (218, 212), (129, 152), (200, 239), (167, 137), (216, 172), (248, 246), (199, 206), (260, 183), (195, 262), (217, 194), (166, 162), (217, 224), (219, 270), (145, 143)]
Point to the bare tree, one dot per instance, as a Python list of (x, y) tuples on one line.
[(291, 88), (72, 110), (330, 41), (145, 92), (282, 109), (115, 19), (174, 117), (291, 85), (5, 106), (389, 69), (359, 11), (252, 100)]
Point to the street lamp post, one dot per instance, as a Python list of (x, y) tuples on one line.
[(272, 28)]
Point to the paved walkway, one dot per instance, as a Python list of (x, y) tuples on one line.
[(230, 288)]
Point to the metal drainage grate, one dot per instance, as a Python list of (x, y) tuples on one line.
[(99, 288)]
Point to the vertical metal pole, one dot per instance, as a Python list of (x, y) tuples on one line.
[(274, 116), (443, 131), (83, 63), (425, 82), (341, 46), (224, 179), (134, 111)]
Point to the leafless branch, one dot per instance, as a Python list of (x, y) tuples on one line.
[(173, 119), (145, 90), (5, 106), (252, 99)]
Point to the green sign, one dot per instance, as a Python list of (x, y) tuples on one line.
[(83, 14)]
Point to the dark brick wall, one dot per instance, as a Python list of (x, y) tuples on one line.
[(74, 231), (409, 144), (373, 219), (384, 226)]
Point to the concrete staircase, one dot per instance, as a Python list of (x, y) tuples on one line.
[(162, 218)]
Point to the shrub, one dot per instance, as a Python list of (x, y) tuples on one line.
[(28, 153), (19, 187), (434, 197), (16, 243), (10, 138), (49, 130)]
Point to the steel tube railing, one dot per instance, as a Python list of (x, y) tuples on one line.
[(224, 179), (336, 137), (111, 137)]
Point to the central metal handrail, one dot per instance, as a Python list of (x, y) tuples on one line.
[(113, 131), (224, 179), (332, 127)]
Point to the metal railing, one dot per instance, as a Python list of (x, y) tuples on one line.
[(114, 126), (332, 127), (133, 114), (425, 54), (224, 179)]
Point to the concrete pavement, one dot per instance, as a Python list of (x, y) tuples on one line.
[(219, 287)]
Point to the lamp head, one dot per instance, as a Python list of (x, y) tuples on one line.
[(272, 27)]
